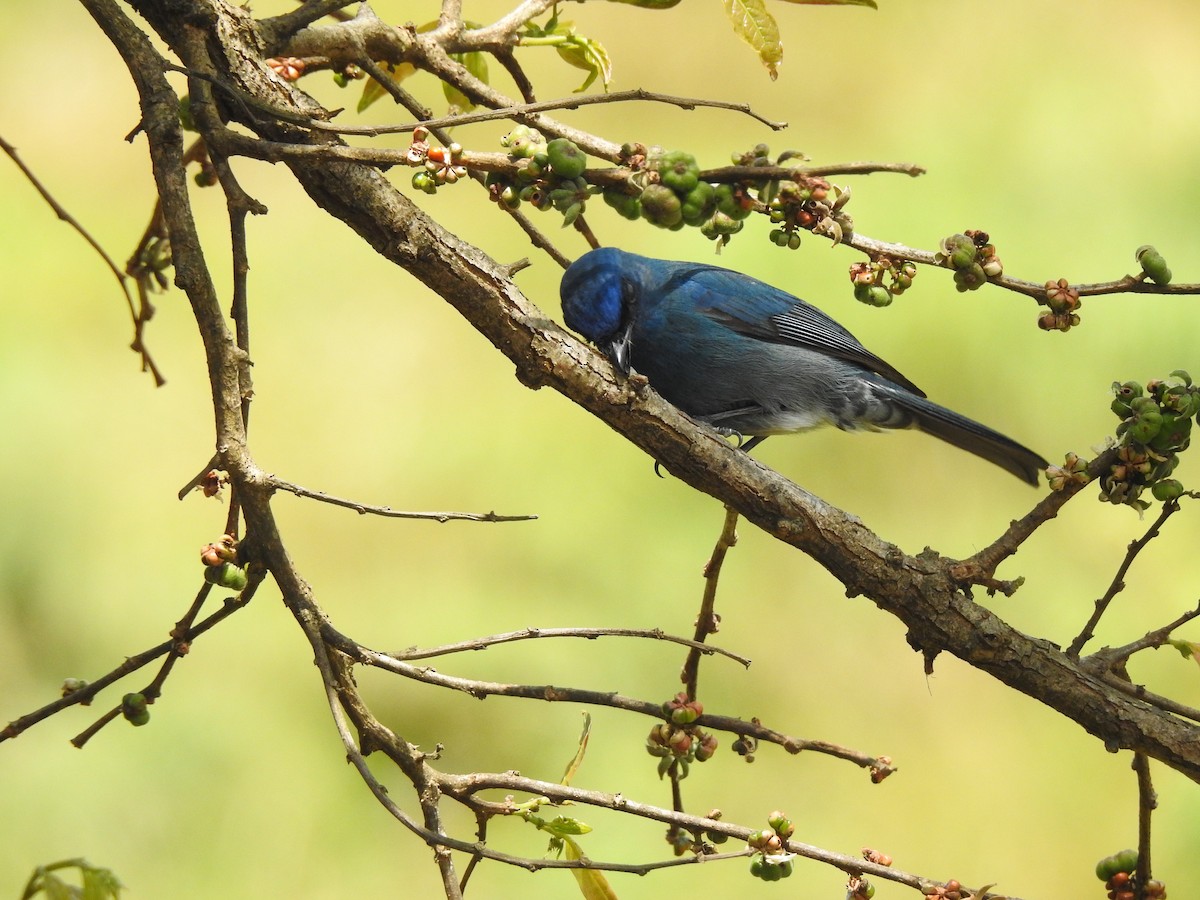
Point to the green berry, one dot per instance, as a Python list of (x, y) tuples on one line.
[(1126, 861), (1153, 264), (1145, 420), (133, 708), (872, 294), (225, 575), (699, 203), (510, 197), (565, 158), (684, 715), (522, 142), (624, 204), (1167, 489), (720, 225), (1174, 433), (185, 113), (678, 170), (959, 250), (424, 181), (970, 278), (661, 206), (1125, 394), (731, 203)]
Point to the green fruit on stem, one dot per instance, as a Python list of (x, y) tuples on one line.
[(678, 171), (565, 158), (1153, 264), (625, 205), (661, 206), (133, 708), (731, 203), (1126, 861), (699, 203), (225, 575)]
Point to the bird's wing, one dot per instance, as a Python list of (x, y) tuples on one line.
[(758, 310)]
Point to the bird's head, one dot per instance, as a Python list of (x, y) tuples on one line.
[(596, 302)]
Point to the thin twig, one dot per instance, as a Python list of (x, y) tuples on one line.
[(508, 59), (84, 695), (392, 86), (464, 787), (180, 646), (387, 511), (1147, 803), (337, 694), (980, 568), (61, 212), (1170, 507), (1034, 289), (760, 173), (707, 621), (611, 699), (516, 111), (239, 204), (588, 633), (1113, 656)]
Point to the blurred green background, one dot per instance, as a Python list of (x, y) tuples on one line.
[(1068, 131)]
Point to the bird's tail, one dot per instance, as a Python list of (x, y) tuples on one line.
[(968, 435)]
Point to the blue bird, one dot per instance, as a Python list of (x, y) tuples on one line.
[(751, 359)]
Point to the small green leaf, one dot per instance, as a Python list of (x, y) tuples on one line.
[(1187, 649), (577, 761), (100, 884), (584, 53), (475, 63), (561, 826), (592, 883), (372, 91), (757, 27), (55, 888)]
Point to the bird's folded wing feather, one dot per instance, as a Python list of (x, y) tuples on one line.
[(757, 310)]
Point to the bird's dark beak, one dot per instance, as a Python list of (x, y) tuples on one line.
[(618, 350)]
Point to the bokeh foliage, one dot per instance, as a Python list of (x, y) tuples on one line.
[(369, 387)]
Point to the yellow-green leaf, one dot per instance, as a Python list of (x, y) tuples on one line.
[(1187, 649), (757, 27), (577, 761), (561, 826), (592, 883), (475, 63), (373, 90), (584, 53)]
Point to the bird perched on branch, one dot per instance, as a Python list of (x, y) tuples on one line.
[(751, 359)]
